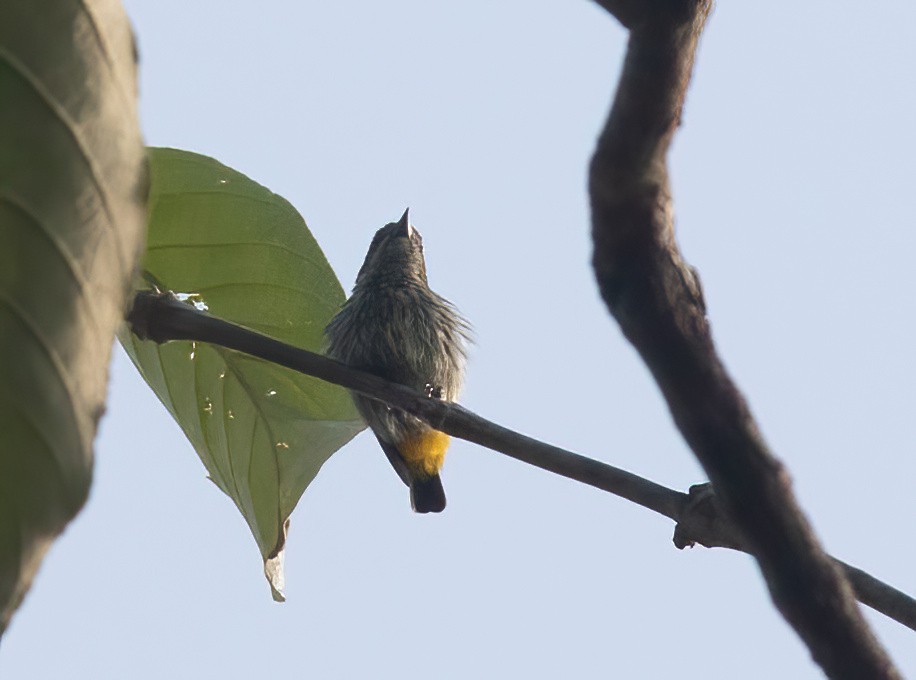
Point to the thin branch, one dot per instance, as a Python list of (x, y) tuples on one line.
[(881, 596), (656, 298), (703, 520), (161, 317)]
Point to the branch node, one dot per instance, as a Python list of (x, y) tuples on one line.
[(703, 520)]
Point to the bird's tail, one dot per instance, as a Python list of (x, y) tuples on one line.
[(427, 494)]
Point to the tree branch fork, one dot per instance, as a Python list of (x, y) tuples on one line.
[(698, 514)]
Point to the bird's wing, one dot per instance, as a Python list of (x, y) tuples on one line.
[(394, 457)]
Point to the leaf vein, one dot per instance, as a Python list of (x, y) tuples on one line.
[(309, 259), (82, 284), (83, 430), (123, 89), (70, 126)]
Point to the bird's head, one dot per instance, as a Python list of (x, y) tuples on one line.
[(395, 255)]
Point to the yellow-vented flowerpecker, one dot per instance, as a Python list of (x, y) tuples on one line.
[(396, 327)]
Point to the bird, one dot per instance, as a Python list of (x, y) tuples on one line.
[(395, 326)]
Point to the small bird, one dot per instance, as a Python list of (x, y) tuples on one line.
[(396, 327)]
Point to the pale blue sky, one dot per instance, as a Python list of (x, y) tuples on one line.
[(793, 179)]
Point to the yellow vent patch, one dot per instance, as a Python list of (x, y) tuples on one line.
[(426, 452)]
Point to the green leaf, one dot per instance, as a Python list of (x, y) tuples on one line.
[(73, 184), (243, 253)]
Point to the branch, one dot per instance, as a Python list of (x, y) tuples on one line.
[(703, 520), (161, 317), (656, 298)]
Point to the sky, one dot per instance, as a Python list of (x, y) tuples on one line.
[(792, 177)]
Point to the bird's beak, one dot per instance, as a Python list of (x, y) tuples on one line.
[(404, 228)]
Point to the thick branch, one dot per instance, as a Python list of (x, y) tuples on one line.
[(656, 299), (161, 317)]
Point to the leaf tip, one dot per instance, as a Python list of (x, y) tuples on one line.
[(273, 566), (276, 577)]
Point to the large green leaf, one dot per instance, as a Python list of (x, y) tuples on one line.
[(243, 253), (73, 182)]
